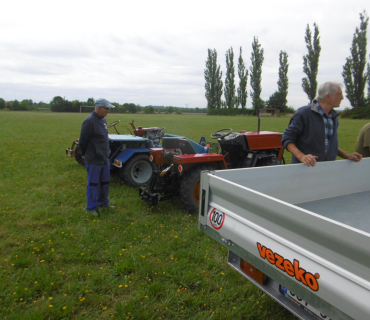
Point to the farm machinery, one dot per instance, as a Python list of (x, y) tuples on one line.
[(178, 165), (128, 153)]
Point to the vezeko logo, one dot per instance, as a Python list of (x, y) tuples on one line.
[(291, 268), (217, 218)]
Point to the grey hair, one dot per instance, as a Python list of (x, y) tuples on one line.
[(96, 108), (330, 88)]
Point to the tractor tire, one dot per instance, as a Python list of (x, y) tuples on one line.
[(137, 171), (190, 187), (78, 156)]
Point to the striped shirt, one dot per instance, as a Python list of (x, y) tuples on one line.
[(329, 125)]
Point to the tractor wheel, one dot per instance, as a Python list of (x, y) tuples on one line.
[(190, 187), (137, 171), (78, 156)]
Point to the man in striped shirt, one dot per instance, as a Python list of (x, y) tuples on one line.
[(312, 132)]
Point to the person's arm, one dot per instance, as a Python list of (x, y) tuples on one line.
[(308, 159), (355, 156), (290, 136), (86, 130)]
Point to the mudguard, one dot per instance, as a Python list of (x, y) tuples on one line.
[(127, 154)]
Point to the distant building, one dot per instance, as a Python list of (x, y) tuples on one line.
[(268, 112)]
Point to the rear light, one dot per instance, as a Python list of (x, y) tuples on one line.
[(151, 158), (118, 163), (180, 168)]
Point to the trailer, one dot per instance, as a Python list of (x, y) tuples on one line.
[(301, 234)]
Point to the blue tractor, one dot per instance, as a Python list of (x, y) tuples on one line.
[(130, 152)]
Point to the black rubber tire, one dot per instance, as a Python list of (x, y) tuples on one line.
[(190, 187), (137, 171), (78, 156)]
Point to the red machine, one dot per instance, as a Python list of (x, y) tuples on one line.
[(179, 166)]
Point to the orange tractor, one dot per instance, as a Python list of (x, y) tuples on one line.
[(178, 165)]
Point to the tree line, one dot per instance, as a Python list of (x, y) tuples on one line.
[(24, 105), (235, 100), (59, 104)]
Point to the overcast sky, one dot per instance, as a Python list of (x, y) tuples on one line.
[(154, 52)]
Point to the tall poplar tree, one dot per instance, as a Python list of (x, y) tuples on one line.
[(213, 80), (283, 82), (256, 74), (243, 80), (229, 90), (354, 74), (311, 62), (279, 98), (368, 84)]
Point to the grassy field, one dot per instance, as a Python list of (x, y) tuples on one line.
[(134, 262)]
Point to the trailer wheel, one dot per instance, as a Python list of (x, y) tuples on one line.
[(190, 187), (78, 156), (137, 171)]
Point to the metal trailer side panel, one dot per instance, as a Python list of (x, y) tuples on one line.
[(338, 253), (297, 183)]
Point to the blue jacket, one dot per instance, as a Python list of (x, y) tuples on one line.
[(307, 131), (94, 142)]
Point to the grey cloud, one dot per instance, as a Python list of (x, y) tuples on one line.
[(51, 50)]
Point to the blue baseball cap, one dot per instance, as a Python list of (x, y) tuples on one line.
[(103, 103)]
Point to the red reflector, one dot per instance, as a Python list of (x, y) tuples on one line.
[(151, 158), (251, 271), (180, 168), (118, 163)]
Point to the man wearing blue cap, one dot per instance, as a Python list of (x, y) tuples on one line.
[(94, 145)]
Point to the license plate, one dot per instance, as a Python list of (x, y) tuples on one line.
[(303, 304)]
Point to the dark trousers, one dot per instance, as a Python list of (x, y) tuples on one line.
[(98, 177)]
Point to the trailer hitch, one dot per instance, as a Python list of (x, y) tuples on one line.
[(166, 170)]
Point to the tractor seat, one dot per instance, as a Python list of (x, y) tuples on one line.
[(178, 143), (186, 147), (170, 142)]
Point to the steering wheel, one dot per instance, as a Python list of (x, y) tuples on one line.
[(219, 134), (161, 133), (113, 123)]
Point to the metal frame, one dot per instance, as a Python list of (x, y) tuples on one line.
[(261, 206)]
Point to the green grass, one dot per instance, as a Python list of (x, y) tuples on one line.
[(58, 262)]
